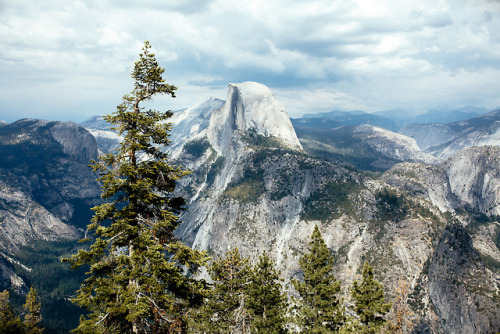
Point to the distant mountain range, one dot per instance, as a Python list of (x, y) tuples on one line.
[(350, 137), (392, 120)]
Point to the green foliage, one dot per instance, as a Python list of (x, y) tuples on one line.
[(245, 192), (320, 309), (139, 276), (196, 148), (390, 205), (32, 315), (243, 299), (9, 322), (490, 262), (224, 310), (59, 315), (265, 301), (332, 200), (259, 140), (497, 237), (369, 302), (214, 169), (249, 188)]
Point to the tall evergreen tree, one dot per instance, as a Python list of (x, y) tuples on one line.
[(138, 279), (224, 310), (32, 316), (369, 301), (320, 310), (265, 300)]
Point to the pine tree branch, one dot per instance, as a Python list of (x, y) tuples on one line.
[(157, 307), (102, 319)]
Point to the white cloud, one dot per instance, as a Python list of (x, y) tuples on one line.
[(361, 54)]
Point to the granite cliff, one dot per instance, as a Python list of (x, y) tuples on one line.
[(46, 186)]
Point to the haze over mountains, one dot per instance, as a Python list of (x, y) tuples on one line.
[(260, 181), (393, 119)]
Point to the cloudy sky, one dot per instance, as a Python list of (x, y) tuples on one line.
[(70, 59)]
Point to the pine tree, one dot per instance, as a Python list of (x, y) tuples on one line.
[(320, 310), (369, 301), (32, 316), (139, 277), (265, 301), (9, 322), (224, 310)]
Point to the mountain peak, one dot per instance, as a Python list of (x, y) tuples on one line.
[(251, 109)]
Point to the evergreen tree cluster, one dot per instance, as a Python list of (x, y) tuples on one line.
[(10, 323), (244, 299)]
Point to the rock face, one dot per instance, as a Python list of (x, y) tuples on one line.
[(258, 194), (460, 287), (444, 140), (107, 140), (9, 279), (470, 179), (46, 185), (189, 123), (393, 145), (365, 147), (251, 109), (464, 268)]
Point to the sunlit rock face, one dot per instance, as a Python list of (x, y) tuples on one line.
[(470, 179), (251, 109), (394, 145)]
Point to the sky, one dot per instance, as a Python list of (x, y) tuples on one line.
[(69, 60)]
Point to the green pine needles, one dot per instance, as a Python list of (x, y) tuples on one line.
[(320, 309), (266, 302), (139, 277), (10, 323), (370, 303), (243, 299), (224, 310)]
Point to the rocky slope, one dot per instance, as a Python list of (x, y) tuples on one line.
[(107, 140), (364, 146), (444, 140), (46, 186), (470, 180), (463, 290), (189, 123)]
